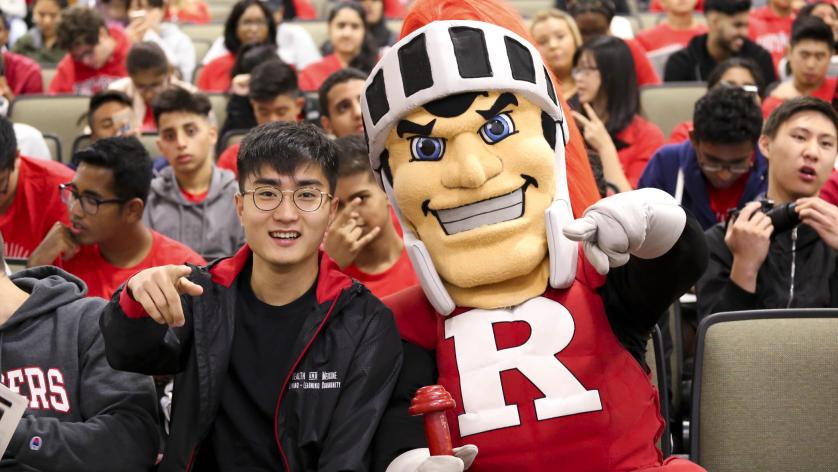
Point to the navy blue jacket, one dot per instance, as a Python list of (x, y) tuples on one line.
[(662, 172)]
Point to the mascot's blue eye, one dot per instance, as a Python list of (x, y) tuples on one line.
[(497, 129), (424, 148)]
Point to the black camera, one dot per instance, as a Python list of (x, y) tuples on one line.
[(783, 217)]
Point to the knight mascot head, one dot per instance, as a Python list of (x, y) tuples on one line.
[(468, 137)]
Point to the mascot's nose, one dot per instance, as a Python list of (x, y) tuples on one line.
[(467, 162)]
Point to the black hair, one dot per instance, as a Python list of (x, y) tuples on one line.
[(618, 79), (231, 39), (128, 161), (737, 62), (603, 7), (272, 79), (796, 105), (8, 144), (353, 155), (809, 8), (728, 7), (106, 96), (62, 4), (176, 99), (251, 55), (146, 56), (78, 25), (6, 25), (368, 55), (727, 115), (811, 28), (285, 147), (339, 77)]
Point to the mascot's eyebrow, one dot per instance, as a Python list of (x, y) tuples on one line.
[(406, 126), (505, 99)]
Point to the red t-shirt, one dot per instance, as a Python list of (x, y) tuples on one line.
[(829, 191), (723, 199), (313, 76), (149, 125), (228, 159), (36, 206), (200, 16), (825, 92), (664, 35), (194, 197), (397, 277), (770, 31), (643, 139), (646, 74), (681, 132), (657, 7), (215, 76), (22, 74), (305, 10), (103, 278), (77, 78)]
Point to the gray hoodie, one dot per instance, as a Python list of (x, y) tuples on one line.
[(211, 228), (82, 415)]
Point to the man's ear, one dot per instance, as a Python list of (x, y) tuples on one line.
[(239, 199), (326, 124), (213, 134), (132, 210), (764, 144), (333, 210)]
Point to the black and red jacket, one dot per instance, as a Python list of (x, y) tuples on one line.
[(324, 424)]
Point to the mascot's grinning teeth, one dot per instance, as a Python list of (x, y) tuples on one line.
[(486, 212)]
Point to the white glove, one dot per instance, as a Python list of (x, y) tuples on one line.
[(420, 460), (644, 223)]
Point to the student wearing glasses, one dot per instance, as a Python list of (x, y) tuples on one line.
[(281, 361), (106, 241), (720, 166)]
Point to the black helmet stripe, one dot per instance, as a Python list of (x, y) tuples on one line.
[(415, 66), (377, 97), (520, 60), (471, 52)]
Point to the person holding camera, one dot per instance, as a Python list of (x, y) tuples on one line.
[(781, 251)]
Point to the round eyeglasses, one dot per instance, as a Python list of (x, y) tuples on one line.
[(89, 203), (268, 198)]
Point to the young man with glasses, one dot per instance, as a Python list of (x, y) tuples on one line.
[(106, 241), (719, 167), (95, 53), (759, 261), (282, 362), (29, 198)]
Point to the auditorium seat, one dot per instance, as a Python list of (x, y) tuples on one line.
[(670, 103), (54, 114), (54, 145), (655, 360), (206, 32), (47, 73), (149, 141), (766, 391)]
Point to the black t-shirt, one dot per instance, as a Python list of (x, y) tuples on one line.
[(242, 436)]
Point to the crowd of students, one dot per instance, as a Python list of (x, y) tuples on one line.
[(292, 221)]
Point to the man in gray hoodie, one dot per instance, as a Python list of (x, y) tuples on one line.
[(192, 201), (82, 414)]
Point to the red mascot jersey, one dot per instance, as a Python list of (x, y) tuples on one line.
[(544, 385)]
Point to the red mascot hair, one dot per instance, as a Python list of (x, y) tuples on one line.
[(580, 178)]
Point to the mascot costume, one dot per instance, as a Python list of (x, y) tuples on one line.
[(534, 321)]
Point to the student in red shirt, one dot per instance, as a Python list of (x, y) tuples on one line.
[(829, 191), (605, 79), (593, 17), (188, 11), (149, 73), (557, 37), (340, 102), (770, 27), (734, 72), (107, 242), (29, 200), (809, 57), (250, 22), (21, 74), (274, 96), (658, 6), (363, 239), (351, 46), (677, 28), (96, 53)]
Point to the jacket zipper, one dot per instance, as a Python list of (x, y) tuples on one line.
[(291, 372), (793, 264)]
